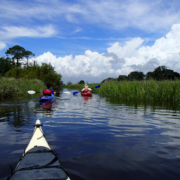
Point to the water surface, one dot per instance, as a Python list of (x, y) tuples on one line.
[(96, 138)]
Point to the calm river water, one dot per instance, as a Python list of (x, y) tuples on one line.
[(96, 138)]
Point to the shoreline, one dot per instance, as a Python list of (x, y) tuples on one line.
[(147, 90), (14, 88)]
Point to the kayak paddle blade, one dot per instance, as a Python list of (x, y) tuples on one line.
[(31, 92), (67, 92), (74, 93), (98, 86)]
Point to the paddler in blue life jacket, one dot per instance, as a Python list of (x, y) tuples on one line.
[(86, 89), (48, 91)]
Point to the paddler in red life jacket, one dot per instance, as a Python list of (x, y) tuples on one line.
[(86, 89), (48, 91)]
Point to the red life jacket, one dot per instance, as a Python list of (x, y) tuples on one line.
[(86, 89), (47, 92)]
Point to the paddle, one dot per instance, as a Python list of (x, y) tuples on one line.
[(74, 93), (67, 92), (97, 86), (31, 92)]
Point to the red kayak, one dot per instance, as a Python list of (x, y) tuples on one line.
[(86, 94)]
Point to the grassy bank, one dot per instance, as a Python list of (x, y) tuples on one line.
[(73, 86), (137, 90), (79, 86), (11, 87), (142, 90)]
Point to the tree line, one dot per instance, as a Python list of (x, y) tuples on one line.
[(17, 65), (159, 73)]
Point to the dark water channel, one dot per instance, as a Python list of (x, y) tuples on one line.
[(96, 138)]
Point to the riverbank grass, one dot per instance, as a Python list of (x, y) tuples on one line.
[(142, 90), (148, 90), (11, 87), (79, 86)]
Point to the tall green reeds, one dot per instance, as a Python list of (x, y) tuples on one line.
[(11, 87), (78, 86), (150, 90), (74, 86), (142, 90)]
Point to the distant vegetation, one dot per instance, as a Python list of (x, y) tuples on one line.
[(17, 65), (159, 74), (11, 87), (19, 54), (81, 82), (45, 73), (73, 86), (149, 90), (16, 69), (79, 86), (69, 83), (160, 85), (17, 75)]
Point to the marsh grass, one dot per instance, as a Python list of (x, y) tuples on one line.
[(74, 86), (79, 86), (11, 87), (142, 90), (137, 90)]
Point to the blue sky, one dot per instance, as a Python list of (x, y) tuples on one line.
[(95, 39)]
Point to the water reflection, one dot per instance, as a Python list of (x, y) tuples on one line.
[(153, 104), (18, 114), (47, 105), (97, 138)]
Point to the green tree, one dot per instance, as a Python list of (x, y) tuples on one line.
[(162, 73), (176, 75), (69, 83), (27, 55), (171, 75), (108, 79), (17, 53), (5, 65), (136, 75), (159, 73), (45, 72), (149, 75), (122, 78), (81, 82), (15, 72)]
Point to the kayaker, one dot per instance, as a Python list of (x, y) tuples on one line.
[(86, 89), (48, 91)]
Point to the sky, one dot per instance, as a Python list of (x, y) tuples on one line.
[(95, 39)]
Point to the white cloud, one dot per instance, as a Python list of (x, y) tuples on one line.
[(76, 30), (138, 14), (15, 32), (128, 50), (92, 64), (94, 67), (2, 45)]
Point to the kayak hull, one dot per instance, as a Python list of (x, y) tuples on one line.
[(86, 94), (38, 161), (46, 98)]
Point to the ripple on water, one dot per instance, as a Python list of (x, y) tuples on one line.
[(97, 139)]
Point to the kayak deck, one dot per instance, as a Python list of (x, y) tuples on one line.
[(39, 161), (86, 94), (47, 98)]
